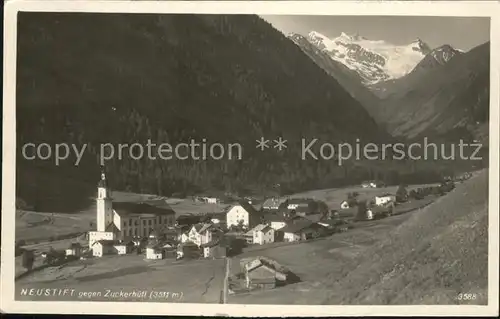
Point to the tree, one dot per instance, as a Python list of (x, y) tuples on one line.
[(402, 194), (361, 213), (28, 259)]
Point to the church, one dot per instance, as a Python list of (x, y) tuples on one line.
[(118, 221)]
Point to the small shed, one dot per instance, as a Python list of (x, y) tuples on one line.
[(260, 275), (74, 249), (344, 205)]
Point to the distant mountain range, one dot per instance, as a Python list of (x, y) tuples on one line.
[(348, 78), (410, 90), (449, 99), (373, 60)]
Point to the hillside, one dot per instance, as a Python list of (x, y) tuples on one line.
[(450, 99), (423, 257), (349, 79), (90, 78), (438, 253)]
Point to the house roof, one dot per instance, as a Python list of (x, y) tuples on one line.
[(202, 227), (272, 202), (275, 217), (154, 247), (248, 207), (297, 226), (299, 201), (124, 243), (143, 208), (75, 245), (259, 227), (266, 229), (314, 217), (105, 242), (222, 242), (259, 263)]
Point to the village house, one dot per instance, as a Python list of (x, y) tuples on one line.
[(384, 199), (212, 200), (261, 275), (154, 251), (103, 247), (276, 221), (124, 247), (272, 204), (243, 214), (169, 250), (303, 207), (216, 248), (199, 234), (117, 220), (262, 234), (300, 230), (187, 250), (295, 203), (74, 249)]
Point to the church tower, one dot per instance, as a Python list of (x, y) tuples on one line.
[(104, 204)]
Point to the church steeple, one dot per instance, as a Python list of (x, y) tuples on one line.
[(104, 203), (102, 186)]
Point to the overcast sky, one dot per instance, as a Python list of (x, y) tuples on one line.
[(460, 32)]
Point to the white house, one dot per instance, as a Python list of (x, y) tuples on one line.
[(124, 247), (103, 247), (300, 230), (344, 204), (199, 234), (384, 199), (212, 200), (116, 220), (263, 234), (244, 214), (276, 221), (154, 252), (291, 236)]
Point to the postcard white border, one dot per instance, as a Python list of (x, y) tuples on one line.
[(414, 8)]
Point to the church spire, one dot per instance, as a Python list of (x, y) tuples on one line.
[(102, 182)]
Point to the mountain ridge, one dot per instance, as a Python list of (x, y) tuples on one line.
[(374, 60), (121, 78)]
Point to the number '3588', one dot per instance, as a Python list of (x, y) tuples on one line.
[(466, 296)]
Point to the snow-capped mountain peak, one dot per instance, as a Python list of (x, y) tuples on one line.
[(436, 57), (373, 60)]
